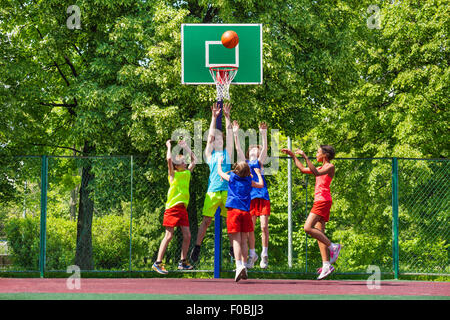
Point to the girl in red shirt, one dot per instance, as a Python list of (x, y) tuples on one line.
[(320, 212)]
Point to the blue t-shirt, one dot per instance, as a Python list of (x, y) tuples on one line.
[(215, 182), (261, 193), (239, 192)]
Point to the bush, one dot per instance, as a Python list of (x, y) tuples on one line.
[(110, 242), (23, 242)]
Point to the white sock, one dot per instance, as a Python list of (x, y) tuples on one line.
[(252, 252), (265, 251), (239, 263), (326, 264)]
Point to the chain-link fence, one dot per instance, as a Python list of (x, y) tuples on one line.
[(105, 214), (424, 216), (20, 203)]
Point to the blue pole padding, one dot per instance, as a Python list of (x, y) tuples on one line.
[(217, 218), (217, 243)]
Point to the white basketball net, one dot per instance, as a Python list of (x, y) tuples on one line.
[(222, 77)]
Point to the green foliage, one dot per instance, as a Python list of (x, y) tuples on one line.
[(398, 105), (23, 242), (114, 85), (110, 237), (110, 243), (61, 242)]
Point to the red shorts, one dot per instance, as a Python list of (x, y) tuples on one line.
[(260, 207), (176, 216), (322, 208), (239, 221)]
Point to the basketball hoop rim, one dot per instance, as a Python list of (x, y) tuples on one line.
[(223, 68), (223, 76)]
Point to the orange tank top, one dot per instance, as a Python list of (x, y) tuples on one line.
[(322, 188)]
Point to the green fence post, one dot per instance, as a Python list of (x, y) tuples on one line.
[(43, 228), (131, 209), (395, 248)]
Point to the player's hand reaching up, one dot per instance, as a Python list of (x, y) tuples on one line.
[(227, 109), (262, 127), (215, 110), (182, 144)]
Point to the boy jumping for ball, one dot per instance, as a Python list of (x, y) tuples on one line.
[(176, 214), (216, 195)]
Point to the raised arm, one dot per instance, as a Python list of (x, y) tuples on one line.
[(240, 153), (260, 182), (297, 162), (169, 159), (263, 134), (326, 169), (229, 129), (215, 111), (183, 145), (219, 170)]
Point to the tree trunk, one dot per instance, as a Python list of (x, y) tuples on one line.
[(73, 203), (73, 196), (83, 254)]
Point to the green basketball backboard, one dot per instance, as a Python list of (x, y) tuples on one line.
[(201, 48)]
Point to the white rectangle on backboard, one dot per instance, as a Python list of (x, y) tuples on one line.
[(208, 65)]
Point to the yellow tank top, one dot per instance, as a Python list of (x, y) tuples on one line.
[(178, 189)]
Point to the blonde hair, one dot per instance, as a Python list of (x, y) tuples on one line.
[(242, 169)]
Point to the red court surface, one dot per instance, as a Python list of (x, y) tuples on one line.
[(215, 287)]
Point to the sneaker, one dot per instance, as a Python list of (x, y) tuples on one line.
[(264, 262), (159, 267), (195, 253), (334, 253), (184, 265), (251, 261), (241, 272), (326, 271), (245, 275), (319, 270)]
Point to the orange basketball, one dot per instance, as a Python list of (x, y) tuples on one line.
[(230, 39)]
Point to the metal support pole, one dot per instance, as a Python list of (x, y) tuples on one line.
[(289, 206), (43, 227), (131, 206), (395, 248)]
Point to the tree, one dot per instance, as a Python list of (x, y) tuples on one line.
[(399, 104), (65, 88)]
